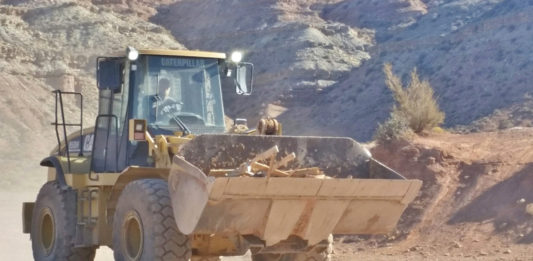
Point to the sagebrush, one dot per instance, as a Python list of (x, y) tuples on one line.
[(394, 128), (415, 108)]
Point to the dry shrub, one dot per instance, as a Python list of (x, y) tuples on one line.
[(396, 127), (416, 103)]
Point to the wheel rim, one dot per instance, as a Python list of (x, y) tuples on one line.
[(132, 236), (47, 231)]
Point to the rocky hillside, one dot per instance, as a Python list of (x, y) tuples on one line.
[(49, 45), (476, 54), (318, 63), (296, 52), (319, 70)]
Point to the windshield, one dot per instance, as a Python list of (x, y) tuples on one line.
[(168, 90)]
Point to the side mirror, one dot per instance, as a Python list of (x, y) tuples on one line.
[(244, 78), (109, 74)]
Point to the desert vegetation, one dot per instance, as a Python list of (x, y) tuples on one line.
[(415, 108)]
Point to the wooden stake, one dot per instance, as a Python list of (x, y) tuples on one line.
[(283, 162), (277, 173), (304, 172)]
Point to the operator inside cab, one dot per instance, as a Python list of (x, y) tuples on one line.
[(164, 107)]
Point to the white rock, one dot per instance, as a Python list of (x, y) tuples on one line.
[(529, 208)]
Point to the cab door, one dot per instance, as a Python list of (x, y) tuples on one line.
[(111, 128)]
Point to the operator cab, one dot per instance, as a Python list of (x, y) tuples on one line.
[(174, 91), (168, 89)]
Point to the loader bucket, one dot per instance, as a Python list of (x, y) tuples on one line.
[(275, 208), (189, 183)]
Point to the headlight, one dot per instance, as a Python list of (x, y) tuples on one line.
[(133, 54), (236, 57)]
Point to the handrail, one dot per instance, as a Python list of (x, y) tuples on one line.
[(59, 106)]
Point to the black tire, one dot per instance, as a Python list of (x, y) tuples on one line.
[(53, 226), (315, 254), (144, 227)]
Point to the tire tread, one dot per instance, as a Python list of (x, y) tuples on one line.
[(67, 215), (169, 243)]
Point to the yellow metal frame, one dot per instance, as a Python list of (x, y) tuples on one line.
[(71, 136), (109, 187), (160, 147), (186, 53)]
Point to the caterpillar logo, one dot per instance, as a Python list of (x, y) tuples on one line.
[(181, 62)]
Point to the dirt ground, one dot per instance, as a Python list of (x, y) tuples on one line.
[(473, 201), (472, 205), (17, 246)]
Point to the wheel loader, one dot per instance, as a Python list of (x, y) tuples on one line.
[(161, 175)]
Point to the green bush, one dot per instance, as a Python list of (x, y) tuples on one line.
[(414, 104)]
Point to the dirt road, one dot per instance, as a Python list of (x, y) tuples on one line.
[(14, 245)]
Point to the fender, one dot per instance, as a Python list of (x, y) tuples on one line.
[(53, 162)]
